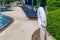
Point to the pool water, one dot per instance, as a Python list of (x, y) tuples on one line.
[(3, 10), (4, 21), (29, 12)]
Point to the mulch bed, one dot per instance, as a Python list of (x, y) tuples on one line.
[(36, 35)]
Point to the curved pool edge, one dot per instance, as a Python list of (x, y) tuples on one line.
[(1, 30)]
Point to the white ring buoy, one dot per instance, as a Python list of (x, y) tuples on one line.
[(41, 17)]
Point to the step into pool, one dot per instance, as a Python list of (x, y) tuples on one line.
[(4, 21)]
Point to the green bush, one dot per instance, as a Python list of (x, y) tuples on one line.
[(54, 23), (53, 18)]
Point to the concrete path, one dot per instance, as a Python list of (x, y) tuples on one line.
[(21, 29)]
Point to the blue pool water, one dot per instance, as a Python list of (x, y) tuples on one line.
[(29, 12), (2, 9), (4, 21)]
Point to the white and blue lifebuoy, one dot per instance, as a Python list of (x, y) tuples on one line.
[(41, 17), (42, 21)]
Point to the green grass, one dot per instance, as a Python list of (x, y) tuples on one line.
[(53, 19)]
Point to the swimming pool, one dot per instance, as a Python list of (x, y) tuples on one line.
[(4, 21), (4, 9)]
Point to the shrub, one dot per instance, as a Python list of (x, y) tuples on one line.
[(54, 23)]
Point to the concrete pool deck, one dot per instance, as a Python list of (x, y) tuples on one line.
[(22, 28)]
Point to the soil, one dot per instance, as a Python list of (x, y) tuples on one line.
[(36, 35)]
